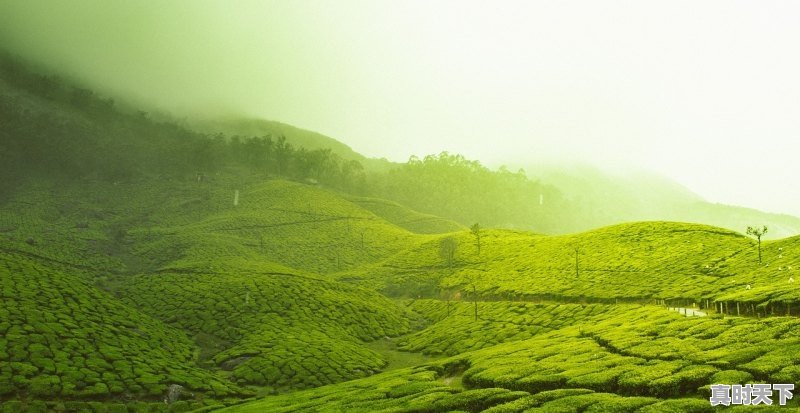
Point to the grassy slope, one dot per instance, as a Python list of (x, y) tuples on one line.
[(639, 262), (295, 225), (407, 218), (237, 279)]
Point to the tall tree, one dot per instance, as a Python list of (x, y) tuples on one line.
[(283, 154), (475, 229), (758, 233), (447, 250)]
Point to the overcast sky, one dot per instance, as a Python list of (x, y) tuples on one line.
[(705, 92)]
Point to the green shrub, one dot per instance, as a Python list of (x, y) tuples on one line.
[(117, 408), (11, 406), (679, 406)]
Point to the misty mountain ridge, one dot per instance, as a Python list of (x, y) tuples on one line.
[(579, 196), (605, 196), (626, 193)]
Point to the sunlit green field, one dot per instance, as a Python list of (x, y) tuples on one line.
[(299, 299)]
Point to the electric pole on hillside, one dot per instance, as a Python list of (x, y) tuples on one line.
[(475, 301), (577, 266)]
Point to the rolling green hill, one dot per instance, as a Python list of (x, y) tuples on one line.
[(639, 262), (407, 218), (296, 225), (279, 330), (62, 338), (234, 285), (137, 256), (631, 358)]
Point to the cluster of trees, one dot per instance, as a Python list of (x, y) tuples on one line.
[(452, 186), (56, 129), (279, 157)]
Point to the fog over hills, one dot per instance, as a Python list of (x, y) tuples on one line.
[(380, 206), (706, 98)]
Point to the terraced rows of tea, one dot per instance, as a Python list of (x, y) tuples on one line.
[(292, 224), (630, 358), (276, 330), (409, 219), (63, 338), (638, 262), (114, 292), (454, 329), (426, 389)]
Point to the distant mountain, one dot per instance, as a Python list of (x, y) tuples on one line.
[(601, 197), (54, 128), (590, 196)]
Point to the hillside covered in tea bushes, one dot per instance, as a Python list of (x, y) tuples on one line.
[(146, 266)]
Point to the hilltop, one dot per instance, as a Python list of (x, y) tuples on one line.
[(294, 135), (63, 130), (637, 262)]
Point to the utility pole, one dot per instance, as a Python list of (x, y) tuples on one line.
[(475, 301)]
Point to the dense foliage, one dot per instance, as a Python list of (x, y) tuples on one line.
[(54, 128), (64, 338), (453, 186), (278, 330)]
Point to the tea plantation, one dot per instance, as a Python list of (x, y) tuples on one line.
[(639, 262), (638, 358), (279, 330), (114, 294), (64, 339), (407, 218)]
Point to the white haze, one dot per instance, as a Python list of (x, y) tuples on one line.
[(707, 93)]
